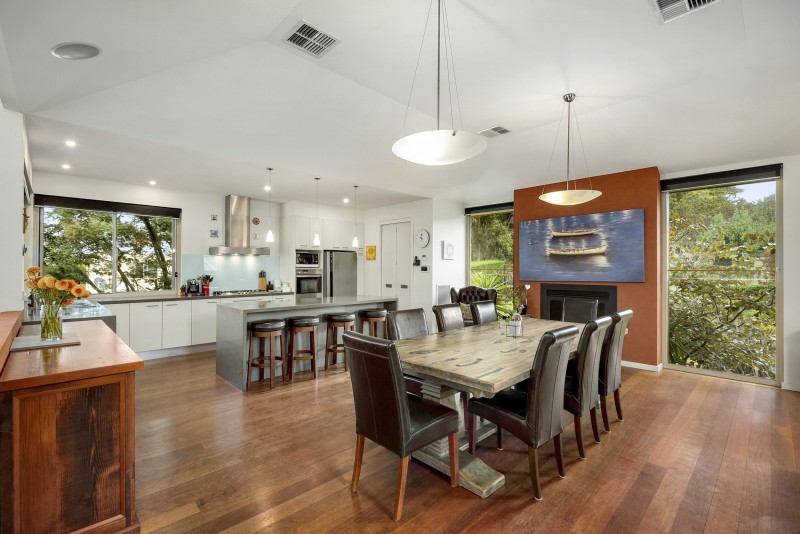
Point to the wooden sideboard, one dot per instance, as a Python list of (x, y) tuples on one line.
[(67, 435)]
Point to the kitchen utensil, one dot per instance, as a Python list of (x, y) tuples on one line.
[(262, 281)]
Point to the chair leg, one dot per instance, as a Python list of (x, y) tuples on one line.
[(604, 412), (344, 354), (470, 422), (559, 457), (499, 438), (453, 439), (357, 463), (290, 357), (263, 353), (595, 431), (328, 343), (618, 405), (533, 465), (249, 362), (579, 437), (401, 487), (272, 350), (313, 347)]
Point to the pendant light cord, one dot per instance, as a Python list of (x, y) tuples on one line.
[(438, 60), (269, 205), (583, 150), (553, 150), (416, 68), (451, 62)]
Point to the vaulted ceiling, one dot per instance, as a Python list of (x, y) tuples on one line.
[(204, 95)]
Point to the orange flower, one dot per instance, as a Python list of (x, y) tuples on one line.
[(64, 285), (32, 271), (68, 302), (80, 292), (30, 284), (41, 283), (49, 281)]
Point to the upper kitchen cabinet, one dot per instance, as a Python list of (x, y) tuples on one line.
[(303, 229)]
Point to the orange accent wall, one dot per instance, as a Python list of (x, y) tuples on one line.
[(621, 191)]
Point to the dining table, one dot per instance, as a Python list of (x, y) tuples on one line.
[(479, 360)]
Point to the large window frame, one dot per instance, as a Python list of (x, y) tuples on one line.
[(116, 209), (469, 213)]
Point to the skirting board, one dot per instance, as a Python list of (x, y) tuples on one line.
[(790, 387), (643, 366), (176, 351)]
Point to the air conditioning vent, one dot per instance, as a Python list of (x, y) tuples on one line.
[(673, 9), (310, 40), (494, 132)]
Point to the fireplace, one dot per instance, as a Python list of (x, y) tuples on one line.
[(552, 298)]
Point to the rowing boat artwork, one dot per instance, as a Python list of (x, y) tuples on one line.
[(574, 233), (587, 251)]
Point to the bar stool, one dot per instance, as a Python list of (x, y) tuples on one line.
[(345, 321), (372, 317), (260, 332), (301, 325)]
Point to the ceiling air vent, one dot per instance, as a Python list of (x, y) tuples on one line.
[(494, 132), (310, 40), (673, 9)]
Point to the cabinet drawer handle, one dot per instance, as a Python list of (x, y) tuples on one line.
[(388, 285), (403, 286), (151, 306), (170, 304)]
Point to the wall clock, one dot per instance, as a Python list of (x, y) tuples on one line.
[(422, 238)]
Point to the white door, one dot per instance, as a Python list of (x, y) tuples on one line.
[(396, 268), (389, 261)]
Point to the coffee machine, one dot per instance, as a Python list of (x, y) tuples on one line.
[(193, 287)]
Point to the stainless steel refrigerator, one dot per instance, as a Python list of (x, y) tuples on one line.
[(339, 273)]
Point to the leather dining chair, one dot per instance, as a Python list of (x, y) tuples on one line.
[(611, 364), (533, 415), (388, 416), (484, 311), (578, 310), (448, 317), (405, 324), (580, 388)]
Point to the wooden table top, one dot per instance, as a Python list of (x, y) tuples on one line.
[(479, 359)]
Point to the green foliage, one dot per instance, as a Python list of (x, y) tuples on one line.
[(492, 261)]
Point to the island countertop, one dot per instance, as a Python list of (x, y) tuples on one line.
[(301, 302)]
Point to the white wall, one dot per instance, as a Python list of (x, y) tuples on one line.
[(12, 155), (788, 300), (449, 224)]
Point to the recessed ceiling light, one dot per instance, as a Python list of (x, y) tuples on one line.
[(70, 143), (66, 166), (267, 188), (75, 51), (152, 182), (345, 200)]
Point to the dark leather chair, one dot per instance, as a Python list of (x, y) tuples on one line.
[(405, 324), (387, 415), (580, 388), (533, 415), (611, 364), (578, 310), (448, 317), (472, 294), (484, 311)]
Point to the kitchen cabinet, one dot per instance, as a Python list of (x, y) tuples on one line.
[(304, 230), (332, 235), (123, 314), (176, 324), (145, 326), (204, 321)]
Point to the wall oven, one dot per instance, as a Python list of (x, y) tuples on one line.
[(308, 281), (307, 259)]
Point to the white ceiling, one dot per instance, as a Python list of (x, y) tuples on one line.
[(203, 95)]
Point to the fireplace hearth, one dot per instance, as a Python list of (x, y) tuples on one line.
[(552, 298)]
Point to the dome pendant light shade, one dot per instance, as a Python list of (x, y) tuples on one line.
[(316, 241), (569, 197), (354, 244), (270, 235), (439, 147)]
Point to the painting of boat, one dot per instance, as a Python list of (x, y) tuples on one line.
[(587, 251), (574, 233)]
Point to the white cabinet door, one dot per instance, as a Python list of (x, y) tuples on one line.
[(302, 231), (404, 259), (176, 324), (123, 314), (389, 261), (204, 321), (332, 235), (145, 326)]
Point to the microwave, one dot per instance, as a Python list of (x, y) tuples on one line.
[(307, 258)]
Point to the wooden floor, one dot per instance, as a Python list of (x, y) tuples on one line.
[(694, 454)]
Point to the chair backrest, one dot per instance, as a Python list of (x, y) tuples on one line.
[(472, 294), (379, 390), (578, 310), (448, 317), (587, 364), (405, 324), (484, 311), (546, 385), (611, 356)]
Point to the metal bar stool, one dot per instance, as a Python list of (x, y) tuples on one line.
[(345, 321), (372, 317), (301, 325), (260, 332)]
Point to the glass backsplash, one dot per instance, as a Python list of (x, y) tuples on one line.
[(229, 272)]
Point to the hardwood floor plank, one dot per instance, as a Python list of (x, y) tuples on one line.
[(785, 478), (755, 513)]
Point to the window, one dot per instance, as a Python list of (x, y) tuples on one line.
[(109, 247), (491, 256)]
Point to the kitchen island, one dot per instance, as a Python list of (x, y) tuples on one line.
[(234, 318)]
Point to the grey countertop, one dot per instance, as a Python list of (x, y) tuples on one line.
[(163, 297), (304, 302), (80, 310)]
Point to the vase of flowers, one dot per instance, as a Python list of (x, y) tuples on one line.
[(514, 327), (53, 294)]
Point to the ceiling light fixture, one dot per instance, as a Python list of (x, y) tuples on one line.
[(152, 182), (346, 200), (70, 143), (75, 51), (569, 197), (267, 188), (270, 235), (439, 147), (66, 166), (354, 244), (316, 241)]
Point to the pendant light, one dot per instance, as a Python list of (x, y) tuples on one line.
[(316, 241), (440, 146), (270, 235), (354, 244), (569, 197)]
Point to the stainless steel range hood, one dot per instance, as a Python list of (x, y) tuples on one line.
[(237, 230)]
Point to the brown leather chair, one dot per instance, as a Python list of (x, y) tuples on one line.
[(611, 364), (387, 415), (405, 324), (483, 311), (534, 415), (448, 317), (580, 388), (473, 294), (578, 310)]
